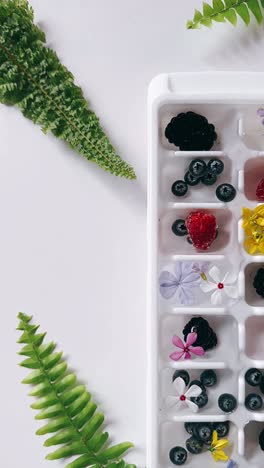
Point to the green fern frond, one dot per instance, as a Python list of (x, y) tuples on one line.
[(33, 79), (230, 10), (72, 421)]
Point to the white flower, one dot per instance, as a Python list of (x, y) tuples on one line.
[(182, 396), (219, 285)]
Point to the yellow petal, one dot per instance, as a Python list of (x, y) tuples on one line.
[(221, 444), (221, 455), (260, 221), (246, 212), (259, 209), (215, 456), (215, 438)]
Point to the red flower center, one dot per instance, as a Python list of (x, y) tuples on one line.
[(220, 286), (182, 397)]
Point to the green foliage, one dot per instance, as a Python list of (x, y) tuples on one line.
[(72, 419), (33, 79), (229, 10)]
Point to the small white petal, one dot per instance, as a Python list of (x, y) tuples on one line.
[(217, 297), (207, 286), (172, 401), (193, 407), (179, 386), (215, 274), (193, 391), (230, 277), (232, 291)]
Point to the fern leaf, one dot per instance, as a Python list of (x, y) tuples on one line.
[(222, 10), (33, 79), (72, 419)]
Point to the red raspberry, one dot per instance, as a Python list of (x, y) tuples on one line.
[(260, 190), (201, 228)]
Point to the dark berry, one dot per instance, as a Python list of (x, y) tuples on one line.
[(197, 168), (215, 166), (253, 402), (191, 132), (198, 383), (194, 445), (206, 336), (253, 377), (183, 374), (190, 179), (222, 428), (261, 440), (261, 385), (225, 192), (259, 282), (204, 431), (178, 455), (179, 228), (209, 179), (201, 400), (227, 403), (179, 188), (190, 427), (208, 378), (189, 240)]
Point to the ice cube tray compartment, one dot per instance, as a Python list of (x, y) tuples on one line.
[(229, 101)]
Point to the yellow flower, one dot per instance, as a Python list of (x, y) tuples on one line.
[(217, 447), (253, 224)]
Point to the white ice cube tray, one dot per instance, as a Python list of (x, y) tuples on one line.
[(227, 100)]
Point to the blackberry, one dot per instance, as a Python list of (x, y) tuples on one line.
[(222, 428), (261, 440), (208, 378), (253, 402), (191, 132), (225, 192), (178, 456), (253, 377), (194, 445), (215, 166), (209, 179), (259, 282), (197, 168), (179, 188), (227, 402), (190, 179), (179, 228), (183, 374), (206, 336)]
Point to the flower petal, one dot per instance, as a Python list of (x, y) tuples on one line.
[(176, 340), (207, 286), (197, 350), (191, 339), (187, 356), (191, 278), (215, 456), (185, 295), (177, 355), (168, 284), (172, 401), (221, 455), (232, 291), (193, 407), (221, 444), (215, 438), (217, 297), (179, 386), (178, 271), (193, 391), (215, 274)]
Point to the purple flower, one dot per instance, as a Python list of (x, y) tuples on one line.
[(181, 281), (232, 464)]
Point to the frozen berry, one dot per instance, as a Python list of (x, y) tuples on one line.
[(201, 400), (253, 377), (194, 445), (206, 336), (178, 456), (222, 428), (204, 431), (183, 374), (258, 282), (190, 179), (261, 385), (209, 179), (201, 228), (179, 228), (197, 168), (191, 132), (190, 427), (198, 383), (227, 403), (215, 166), (179, 188), (260, 190), (261, 440), (225, 192), (253, 402), (208, 378)]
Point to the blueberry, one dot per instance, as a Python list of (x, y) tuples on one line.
[(253, 377), (201, 400), (215, 166), (190, 179), (179, 228), (208, 378), (209, 179), (189, 240), (178, 455), (222, 428), (198, 383), (225, 192), (261, 385), (179, 188), (190, 427), (194, 445), (261, 440), (197, 168), (204, 432), (183, 374), (253, 402), (227, 402)]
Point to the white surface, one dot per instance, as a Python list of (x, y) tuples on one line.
[(73, 239)]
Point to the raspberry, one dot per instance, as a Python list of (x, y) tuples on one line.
[(202, 229), (260, 190)]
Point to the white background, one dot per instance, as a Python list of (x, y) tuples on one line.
[(73, 238)]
